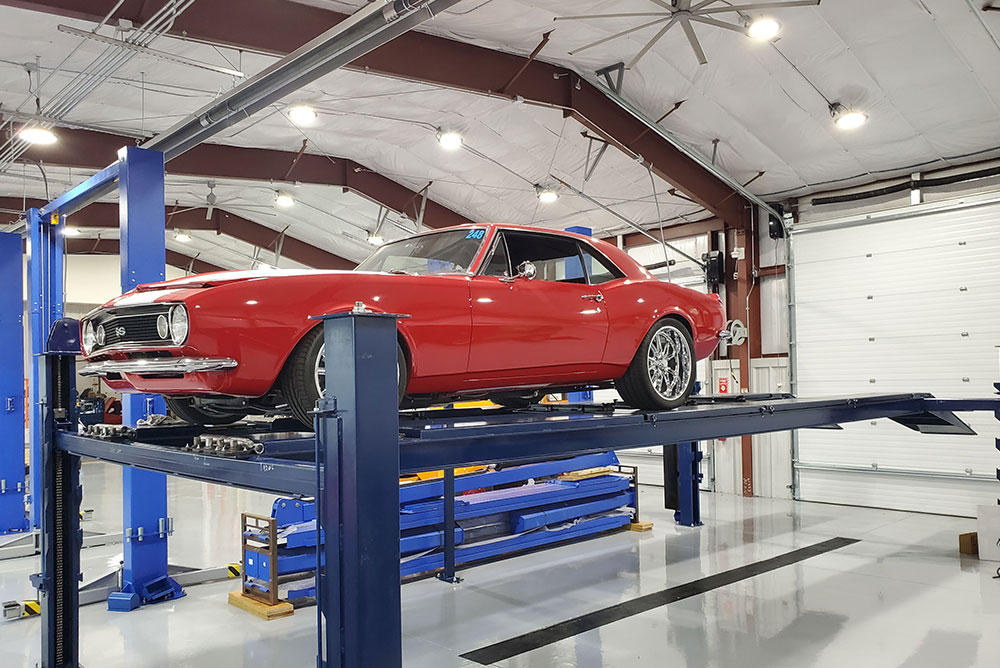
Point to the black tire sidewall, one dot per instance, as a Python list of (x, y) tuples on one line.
[(638, 389)]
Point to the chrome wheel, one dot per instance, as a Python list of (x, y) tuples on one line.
[(669, 363), (319, 371)]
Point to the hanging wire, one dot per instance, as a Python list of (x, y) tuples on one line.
[(659, 218), (555, 152)]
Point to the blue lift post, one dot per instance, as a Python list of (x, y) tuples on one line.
[(357, 427), (45, 268), (142, 220), (12, 483)]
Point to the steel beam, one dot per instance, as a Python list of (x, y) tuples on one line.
[(357, 431), (144, 493), (104, 215), (111, 247), (280, 28), (88, 149), (45, 270)]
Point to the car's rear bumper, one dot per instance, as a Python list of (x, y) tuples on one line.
[(159, 365)]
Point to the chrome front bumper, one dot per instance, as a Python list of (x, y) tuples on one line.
[(157, 365)]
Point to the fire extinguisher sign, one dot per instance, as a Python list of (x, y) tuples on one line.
[(723, 384)]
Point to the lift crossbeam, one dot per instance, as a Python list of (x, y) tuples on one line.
[(473, 436)]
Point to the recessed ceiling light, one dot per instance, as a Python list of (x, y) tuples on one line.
[(546, 195), (182, 237), (284, 200), (37, 136), (847, 119), (70, 232), (375, 240), (302, 115), (450, 140), (764, 28)]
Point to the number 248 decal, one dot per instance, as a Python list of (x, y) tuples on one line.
[(475, 234)]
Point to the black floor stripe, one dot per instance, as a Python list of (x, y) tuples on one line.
[(593, 620)]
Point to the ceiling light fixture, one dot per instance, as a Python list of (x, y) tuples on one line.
[(182, 237), (763, 28), (302, 115), (847, 119), (70, 232), (37, 136), (284, 200), (450, 140), (546, 195), (375, 240)]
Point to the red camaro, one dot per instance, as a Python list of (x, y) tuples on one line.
[(498, 311)]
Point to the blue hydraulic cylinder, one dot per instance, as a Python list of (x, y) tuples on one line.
[(12, 483), (144, 494), (357, 429), (45, 269)]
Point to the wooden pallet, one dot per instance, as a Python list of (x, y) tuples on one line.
[(259, 608), (596, 472), (640, 526)]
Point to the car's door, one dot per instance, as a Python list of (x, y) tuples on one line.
[(523, 325)]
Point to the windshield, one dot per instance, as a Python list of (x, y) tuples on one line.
[(451, 252)]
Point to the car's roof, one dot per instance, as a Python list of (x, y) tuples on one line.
[(621, 259)]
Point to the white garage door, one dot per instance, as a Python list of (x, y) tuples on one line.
[(903, 305)]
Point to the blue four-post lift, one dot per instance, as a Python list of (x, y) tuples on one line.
[(142, 223), (361, 446)]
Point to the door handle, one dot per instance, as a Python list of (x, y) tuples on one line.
[(596, 298)]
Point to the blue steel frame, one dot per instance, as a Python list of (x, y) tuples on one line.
[(45, 268), (12, 483), (142, 222), (362, 445)]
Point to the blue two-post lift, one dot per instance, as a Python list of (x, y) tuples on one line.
[(138, 174), (361, 446)]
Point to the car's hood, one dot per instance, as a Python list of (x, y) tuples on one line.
[(224, 277)]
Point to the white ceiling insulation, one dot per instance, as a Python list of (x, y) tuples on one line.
[(924, 70), (384, 124)]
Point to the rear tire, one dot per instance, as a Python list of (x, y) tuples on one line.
[(661, 375), (185, 409), (303, 377)]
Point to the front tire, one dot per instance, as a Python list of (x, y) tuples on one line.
[(303, 378), (661, 376), (192, 413)]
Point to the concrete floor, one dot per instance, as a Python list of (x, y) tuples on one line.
[(902, 597)]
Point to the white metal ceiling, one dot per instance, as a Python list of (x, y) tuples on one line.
[(923, 69)]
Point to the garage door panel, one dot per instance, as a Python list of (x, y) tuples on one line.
[(949, 497), (900, 306)]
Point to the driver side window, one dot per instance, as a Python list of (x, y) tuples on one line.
[(555, 258)]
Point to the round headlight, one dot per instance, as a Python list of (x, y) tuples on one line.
[(162, 326), (178, 325), (88, 338), (100, 335)]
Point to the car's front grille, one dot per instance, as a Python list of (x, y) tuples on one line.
[(131, 326)]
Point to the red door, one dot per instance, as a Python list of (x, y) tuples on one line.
[(527, 326)]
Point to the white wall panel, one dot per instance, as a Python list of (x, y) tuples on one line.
[(902, 305)]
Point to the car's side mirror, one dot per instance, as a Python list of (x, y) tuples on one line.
[(526, 270)]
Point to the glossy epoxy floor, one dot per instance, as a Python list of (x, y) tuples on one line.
[(901, 597)]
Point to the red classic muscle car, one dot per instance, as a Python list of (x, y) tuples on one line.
[(498, 311)]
